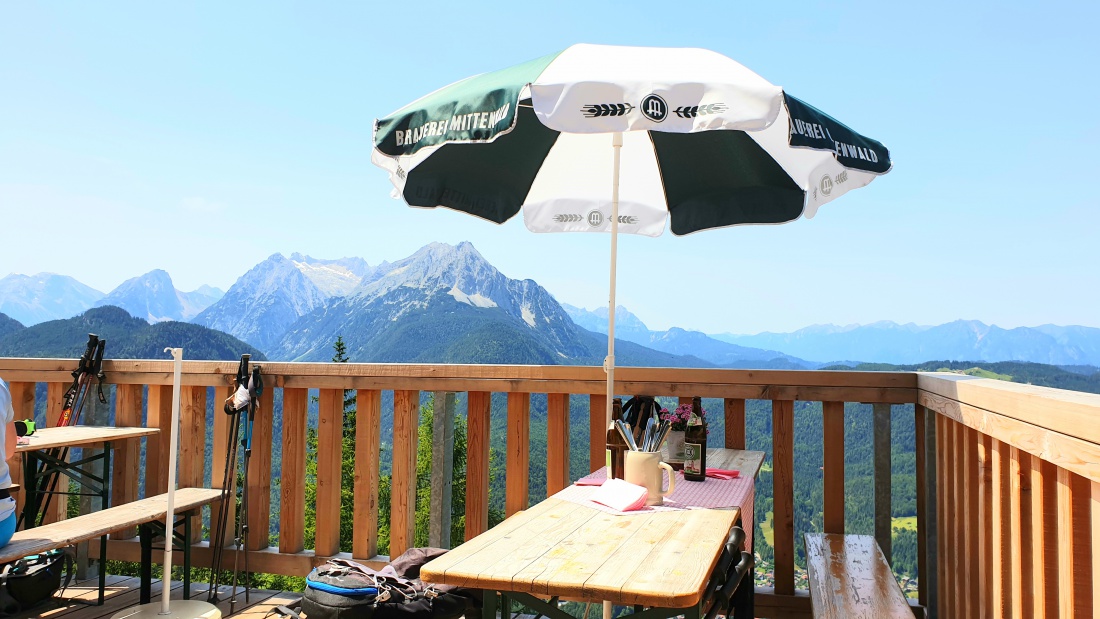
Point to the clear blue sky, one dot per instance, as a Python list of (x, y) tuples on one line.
[(201, 138)]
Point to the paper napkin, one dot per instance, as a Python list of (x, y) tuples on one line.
[(620, 495), (723, 473)]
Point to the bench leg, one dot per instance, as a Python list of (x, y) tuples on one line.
[(186, 557), (145, 533), (102, 568)]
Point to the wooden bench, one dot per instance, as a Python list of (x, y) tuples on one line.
[(850, 579), (82, 528)]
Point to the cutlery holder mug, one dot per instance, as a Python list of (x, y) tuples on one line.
[(643, 468)]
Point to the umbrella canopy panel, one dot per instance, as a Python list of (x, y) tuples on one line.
[(707, 143)]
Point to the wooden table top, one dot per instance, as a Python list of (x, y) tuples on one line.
[(80, 436), (567, 549)]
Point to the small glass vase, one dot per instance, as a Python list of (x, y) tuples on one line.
[(673, 449)]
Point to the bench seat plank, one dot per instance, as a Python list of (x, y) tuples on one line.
[(850, 578), (88, 526)]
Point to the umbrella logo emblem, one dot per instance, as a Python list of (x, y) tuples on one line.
[(654, 108), (826, 185), (595, 219)]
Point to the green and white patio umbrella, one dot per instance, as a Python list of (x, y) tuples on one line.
[(601, 138)]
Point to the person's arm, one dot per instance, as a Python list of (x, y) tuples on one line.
[(10, 440)]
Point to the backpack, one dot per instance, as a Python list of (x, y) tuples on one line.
[(27, 582), (637, 412), (343, 589)]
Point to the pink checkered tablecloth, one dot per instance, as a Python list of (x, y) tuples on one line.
[(710, 494)]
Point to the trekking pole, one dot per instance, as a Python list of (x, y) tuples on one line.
[(91, 363), (233, 406), (255, 388), (228, 491)]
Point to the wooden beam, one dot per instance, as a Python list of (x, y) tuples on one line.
[(192, 446), (225, 370), (159, 413), (958, 519), (1001, 542), (883, 470), (1068, 452), (519, 453), (783, 494), (833, 490), (735, 422), (477, 463), (1074, 546), (767, 603), (330, 427), (1071, 413), (292, 488), (920, 428), (368, 449), (986, 527), (971, 530), (597, 431), (220, 454), (406, 415), (1031, 531), (1017, 499), (443, 444), (1048, 479), (946, 531), (1095, 528), (557, 442), (126, 454), (259, 475)]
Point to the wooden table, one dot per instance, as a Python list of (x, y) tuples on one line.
[(661, 560), (44, 459)]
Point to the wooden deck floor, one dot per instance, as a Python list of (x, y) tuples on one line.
[(122, 593)]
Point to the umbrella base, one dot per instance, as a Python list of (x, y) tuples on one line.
[(177, 609)]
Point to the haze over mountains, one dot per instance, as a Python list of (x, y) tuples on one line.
[(447, 304)]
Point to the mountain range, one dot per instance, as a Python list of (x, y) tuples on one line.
[(447, 304), (128, 337)]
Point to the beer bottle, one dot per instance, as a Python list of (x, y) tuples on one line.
[(695, 444), (616, 444)]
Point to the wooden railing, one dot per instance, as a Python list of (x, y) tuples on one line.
[(1012, 508), (1006, 490)]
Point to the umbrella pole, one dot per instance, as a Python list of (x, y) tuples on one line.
[(609, 362), (181, 609)]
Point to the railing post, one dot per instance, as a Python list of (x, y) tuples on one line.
[(406, 416), (735, 423), (292, 490), (519, 452), (783, 494), (927, 529), (477, 463), (368, 445), (883, 469), (833, 461), (443, 444), (597, 430), (259, 475), (557, 442), (192, 455)]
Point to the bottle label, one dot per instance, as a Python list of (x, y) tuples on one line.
[(693, 458), (609, 475)]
